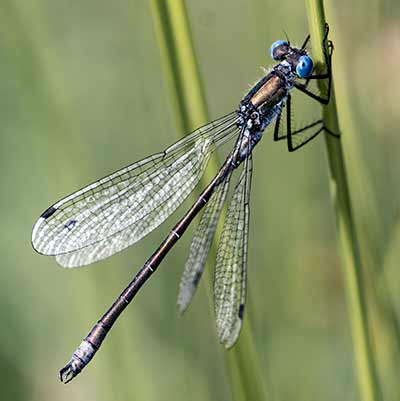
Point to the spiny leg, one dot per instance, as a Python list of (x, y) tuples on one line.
[(327, 47), (316, 127), (276, 129)]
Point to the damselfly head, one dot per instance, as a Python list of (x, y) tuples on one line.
[(298, 59), (279, 49)]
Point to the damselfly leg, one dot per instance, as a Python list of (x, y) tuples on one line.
[(300, 137)]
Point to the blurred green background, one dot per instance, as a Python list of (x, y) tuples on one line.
[(83, 93)]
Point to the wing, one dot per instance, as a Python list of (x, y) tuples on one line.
[(230, 270), (200, 245), (118, 210)]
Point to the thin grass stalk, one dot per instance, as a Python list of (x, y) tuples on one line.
[(29, 40), (189, 106), (366, 368), (375, 237)]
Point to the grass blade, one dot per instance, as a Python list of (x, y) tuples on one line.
[(185, 89), (366, 369)]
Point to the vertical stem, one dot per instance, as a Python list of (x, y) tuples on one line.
[(348, 242), (181, 68), (185, 88)]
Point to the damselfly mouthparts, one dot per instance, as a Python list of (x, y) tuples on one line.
[(114, 212)]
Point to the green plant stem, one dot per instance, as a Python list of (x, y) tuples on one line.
[(189, 106), (365, 363), (374, 236)]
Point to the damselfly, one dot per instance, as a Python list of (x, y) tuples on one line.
[(114, 212)]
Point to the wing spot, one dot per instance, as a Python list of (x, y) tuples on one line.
[(70, 225), (48, 212), (241, 310), (196, 279)]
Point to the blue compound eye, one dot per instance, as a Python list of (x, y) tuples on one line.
[(304, 67), (278, 49)]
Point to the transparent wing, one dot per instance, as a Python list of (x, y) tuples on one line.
[(200, 245), (230, 270), (118, 210)]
